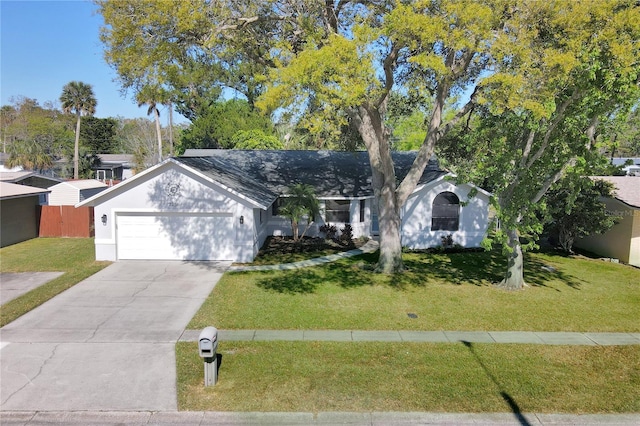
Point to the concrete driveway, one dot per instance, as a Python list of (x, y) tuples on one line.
[(108, 342)]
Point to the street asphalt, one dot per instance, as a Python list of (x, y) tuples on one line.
[(102, 353)]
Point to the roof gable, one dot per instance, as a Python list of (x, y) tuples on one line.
[(251, 192)]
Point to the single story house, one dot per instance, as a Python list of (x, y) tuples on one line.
[(30, 178), (18, 212), (72, 192), (622, 241), (224, 204)]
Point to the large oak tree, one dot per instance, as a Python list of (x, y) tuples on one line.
[(340, 61)]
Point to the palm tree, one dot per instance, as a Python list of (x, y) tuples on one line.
[(301, 203), (29, 154), (153, 96), (78, 98)]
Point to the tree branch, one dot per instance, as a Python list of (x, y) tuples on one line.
[(388, 66), (556, 121), (527, 147)]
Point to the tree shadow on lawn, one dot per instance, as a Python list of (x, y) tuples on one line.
[(307, 280), (422, 269), (482, 268)]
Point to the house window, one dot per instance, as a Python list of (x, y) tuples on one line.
[(361, 210), (275, 207), (338, 211), (445, 214)]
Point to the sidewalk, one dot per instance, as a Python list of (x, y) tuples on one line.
[(377, 418), (527, 337)]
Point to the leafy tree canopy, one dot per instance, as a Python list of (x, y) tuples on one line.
[(574, 209), (255, 139), (33, 135), (217, 128), (98, 135)]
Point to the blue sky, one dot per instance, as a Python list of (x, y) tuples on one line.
[(46, 44)]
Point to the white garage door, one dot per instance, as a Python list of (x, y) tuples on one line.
[(175, 236)]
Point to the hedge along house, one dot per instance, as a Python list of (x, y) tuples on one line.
[(223, 204)]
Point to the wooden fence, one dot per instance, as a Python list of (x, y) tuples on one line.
[(66, 221)]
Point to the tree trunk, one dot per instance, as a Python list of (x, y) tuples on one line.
[(294, 229), (76, 149), (159, 133), (390, 259), (514, 279), (383, 179), (170, 129)]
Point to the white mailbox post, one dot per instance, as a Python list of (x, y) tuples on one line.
[(207, 348)]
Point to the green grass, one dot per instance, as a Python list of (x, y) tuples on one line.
[(325, 376), (73, 256), (445, 291)]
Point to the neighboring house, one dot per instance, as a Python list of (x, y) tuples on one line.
[(224, 205), (632, 169), (72, 192), (622, 241), (29, 178), (18, 212), (114, 167)]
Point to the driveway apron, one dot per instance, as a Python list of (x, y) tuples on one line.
[(108, 343)]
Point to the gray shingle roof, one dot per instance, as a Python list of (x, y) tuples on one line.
[(231, 177), (266, 174)]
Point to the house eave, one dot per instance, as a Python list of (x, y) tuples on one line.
[(132, 181)]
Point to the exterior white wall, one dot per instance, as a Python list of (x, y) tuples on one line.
[(171, 189), (280, 226), (416, 217), (64, 194), (622, 241)]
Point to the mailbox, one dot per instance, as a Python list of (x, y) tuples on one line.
[(208, 342)]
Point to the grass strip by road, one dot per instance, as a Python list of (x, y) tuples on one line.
[(374, 376), (442, 291), (73, 256)]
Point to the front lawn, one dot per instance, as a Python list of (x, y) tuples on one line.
[(73, 256), (373, 376), (444, 291)]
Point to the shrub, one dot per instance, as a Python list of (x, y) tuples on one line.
[(329, 231), (346, 234), (447, 241)]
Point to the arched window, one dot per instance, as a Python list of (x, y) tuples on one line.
[(445, 215)]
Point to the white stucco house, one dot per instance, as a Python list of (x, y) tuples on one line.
[(223, 204)]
